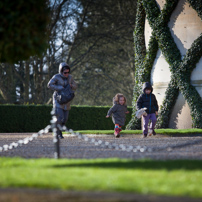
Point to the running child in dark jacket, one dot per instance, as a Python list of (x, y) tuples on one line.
[(148, 100), (118, 112)]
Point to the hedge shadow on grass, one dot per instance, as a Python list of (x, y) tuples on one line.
[(140, 164)]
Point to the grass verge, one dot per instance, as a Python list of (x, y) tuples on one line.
[(158, 131), (171, 178)]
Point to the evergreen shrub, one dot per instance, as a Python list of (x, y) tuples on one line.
[(32, 118), (180, 67)]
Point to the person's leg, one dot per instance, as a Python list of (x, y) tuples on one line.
[(63, 118), (145, 125), (116, 130), (153, 123), (120, 129), (60, 118), (66, 115)]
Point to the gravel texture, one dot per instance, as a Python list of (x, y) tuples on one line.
[(72, 147)]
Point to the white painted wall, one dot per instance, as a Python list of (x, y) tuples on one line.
[(185, 27)]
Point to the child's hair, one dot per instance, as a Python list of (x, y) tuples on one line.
[(117, 97)]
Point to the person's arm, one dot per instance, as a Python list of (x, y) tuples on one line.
[(139, 102), (52, 84), (111, 110), (126, 110)]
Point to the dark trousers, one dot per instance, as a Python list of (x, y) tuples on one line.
[(62, 117), (146, 119)]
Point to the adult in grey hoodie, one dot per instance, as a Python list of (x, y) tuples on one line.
[(57, 83)]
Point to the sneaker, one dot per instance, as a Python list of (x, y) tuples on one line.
[(116, 133), (61, 137), (60, 134), (150, 132), (144, 136), (117, 136), (154, 133)]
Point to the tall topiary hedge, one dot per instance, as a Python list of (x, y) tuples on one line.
[(180, 68)]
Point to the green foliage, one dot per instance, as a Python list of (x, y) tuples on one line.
[(32, 118), (22, 118), (180, 68), (102, 55), (144, 60), (22, 29), (197, 5)]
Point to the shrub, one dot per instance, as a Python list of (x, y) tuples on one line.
[(32, 118)]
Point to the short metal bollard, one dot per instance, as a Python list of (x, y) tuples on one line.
[(56, 139)]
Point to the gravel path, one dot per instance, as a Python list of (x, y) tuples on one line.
[(72, 147)]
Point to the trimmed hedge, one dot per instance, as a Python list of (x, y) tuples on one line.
[(32, 118), (180, 67)]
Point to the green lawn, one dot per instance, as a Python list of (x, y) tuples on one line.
[(158, 131), (172, 178)]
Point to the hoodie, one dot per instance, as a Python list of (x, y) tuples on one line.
[(58, 82), (147, 100)]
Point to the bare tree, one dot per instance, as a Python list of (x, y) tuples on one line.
[(95, 38)]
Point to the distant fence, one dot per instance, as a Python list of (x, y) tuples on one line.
[(31, 118)]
